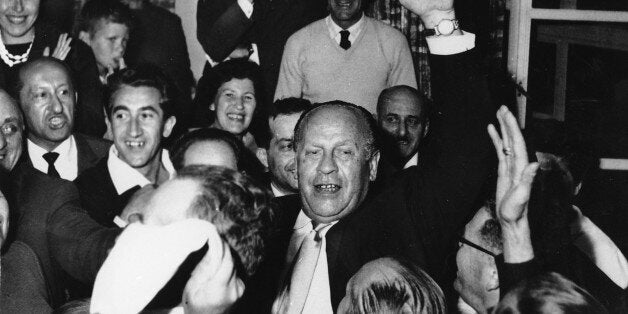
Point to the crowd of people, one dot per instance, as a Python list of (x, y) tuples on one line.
[(304, 173)]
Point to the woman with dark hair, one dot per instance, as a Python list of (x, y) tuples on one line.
[(233, 93)]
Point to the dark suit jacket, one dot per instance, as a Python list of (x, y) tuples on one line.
[(99, 196), (82, 63), (89, 151), (418, 216), (221, 26), (46, 216), (157, 38)]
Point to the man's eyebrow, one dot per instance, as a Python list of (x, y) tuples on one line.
[(11, 119), (149, 108), (117, 108)]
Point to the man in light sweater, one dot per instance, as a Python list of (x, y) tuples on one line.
[(346, 56)]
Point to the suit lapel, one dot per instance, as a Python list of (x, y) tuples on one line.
[(85, 155)]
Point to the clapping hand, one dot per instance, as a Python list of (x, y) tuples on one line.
[(514, 184), (62, 49)]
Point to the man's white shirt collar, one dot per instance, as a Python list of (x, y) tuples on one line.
[(413, 161), (276, 191), (67, 162), (125, 177), (354, 30)]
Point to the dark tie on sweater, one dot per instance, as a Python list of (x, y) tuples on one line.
[(344, 39), (50, 158)]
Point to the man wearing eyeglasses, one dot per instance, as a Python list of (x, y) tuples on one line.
[(477, 280)]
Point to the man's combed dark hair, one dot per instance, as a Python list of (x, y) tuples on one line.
[(237, 206), (551, 293), (112, 11), (142, 76), (177, 152), (367, 122), (286, 106)]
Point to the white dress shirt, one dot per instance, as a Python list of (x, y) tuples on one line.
[(413, 161), (354, 30), (319, 296), (125, 177), (67, 162)]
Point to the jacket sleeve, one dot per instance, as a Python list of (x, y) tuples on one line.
[(77, 243), (220, 26)]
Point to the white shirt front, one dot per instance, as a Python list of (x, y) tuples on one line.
[(319, 296), (67, 162), (413, 161), (125, 177), (354, 30)]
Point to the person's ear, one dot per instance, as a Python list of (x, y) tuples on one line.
[(109, 133), (373, 162), (169, 125), (427, 127), (262, 155), (84, 36), (493, 280)]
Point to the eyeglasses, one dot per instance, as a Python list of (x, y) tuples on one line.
[(477, 247)]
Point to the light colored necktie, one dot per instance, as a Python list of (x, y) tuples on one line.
[(295, 292)]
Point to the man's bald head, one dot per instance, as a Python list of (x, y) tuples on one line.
[(47, 98), (11, 130), (402, 113)]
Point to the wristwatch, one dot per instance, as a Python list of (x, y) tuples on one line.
[(443, 28)]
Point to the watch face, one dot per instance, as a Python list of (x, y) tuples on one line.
[(446, 27)]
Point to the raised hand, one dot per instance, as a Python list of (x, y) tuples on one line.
[(514, 183), (62, 49), (213, 286), (431, 11)]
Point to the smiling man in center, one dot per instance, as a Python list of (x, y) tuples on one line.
[(139, 114)]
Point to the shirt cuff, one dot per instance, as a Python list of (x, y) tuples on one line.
[(247, 7), (451, 45)]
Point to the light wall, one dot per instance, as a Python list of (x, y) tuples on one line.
[(186, 10)]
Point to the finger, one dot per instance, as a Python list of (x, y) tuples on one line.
[(497, 141), (502, 126), (518, 146), (61, 40), (121, 64), (529, 173), (46, 52)]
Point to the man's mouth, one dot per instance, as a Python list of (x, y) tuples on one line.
[(57, 122), (134, 144), (327, 188)]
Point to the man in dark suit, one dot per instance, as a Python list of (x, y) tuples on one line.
[(47, 98), (45, 218), (224, 24), (418, 215), (157, 38), (139, 115), (402, 116)]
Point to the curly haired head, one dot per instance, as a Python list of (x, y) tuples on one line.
[(237, 206)]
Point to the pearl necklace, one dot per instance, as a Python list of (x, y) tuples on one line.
[(10, 59)]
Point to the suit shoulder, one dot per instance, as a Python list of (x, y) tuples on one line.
[(97, 174), (98, 145)]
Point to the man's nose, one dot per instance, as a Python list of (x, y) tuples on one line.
[(135, 129), (327, 164)]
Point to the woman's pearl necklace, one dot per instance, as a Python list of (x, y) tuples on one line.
[(10, 59)]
